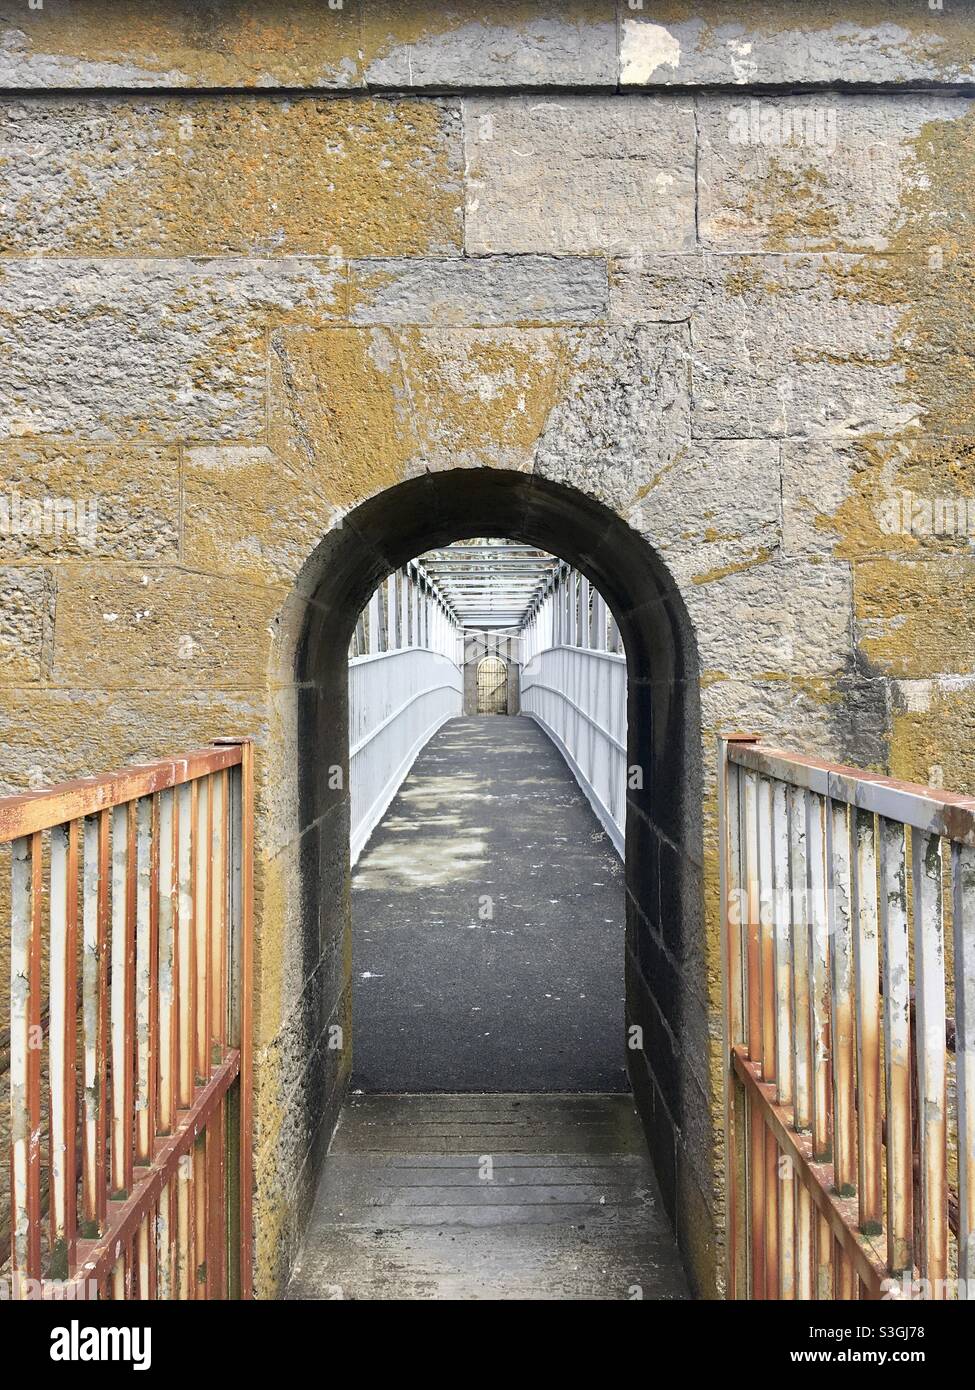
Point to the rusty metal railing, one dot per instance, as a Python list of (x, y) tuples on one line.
[(129, 1037), (851, 1089)]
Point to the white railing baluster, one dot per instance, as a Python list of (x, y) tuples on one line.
[(400, 693), (766, 928), (866, 958), (783, 1023), (819, 993), (841, 995), (929, 968), (95, 1019), (578, 696), (782, 926), (802, 1052), (167, 958), (25, 1060), (897, 1042), (144, 983), (963, 921), (861, 1165)]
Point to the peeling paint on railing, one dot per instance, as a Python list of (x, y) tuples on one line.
[(833, 879)]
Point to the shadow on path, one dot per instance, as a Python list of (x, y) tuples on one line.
[(488, 925)]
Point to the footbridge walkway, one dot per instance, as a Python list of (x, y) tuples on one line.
[(507, 1097)]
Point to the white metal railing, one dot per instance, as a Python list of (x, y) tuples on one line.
[(574, 685), (851, 1089), (404, 683)]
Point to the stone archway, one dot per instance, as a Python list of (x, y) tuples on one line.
[(664, 825)]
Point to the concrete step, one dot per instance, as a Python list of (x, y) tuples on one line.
[(488, 1197)]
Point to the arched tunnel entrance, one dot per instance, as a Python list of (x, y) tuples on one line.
[(492, 685), (663, 831), (488, 904)]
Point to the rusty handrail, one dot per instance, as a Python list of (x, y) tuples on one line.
[(131, 964), (28, 812), (838, 1028), (930, 809)]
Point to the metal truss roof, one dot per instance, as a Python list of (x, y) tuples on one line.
[(490, 583)]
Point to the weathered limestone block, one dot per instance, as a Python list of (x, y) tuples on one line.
[(911, 496), (690, 42), (62, 501), (482, 290), (570, 174), (181, 43), (605, 408), (96, 730), (293, 1120), (105, 349), (339, 409), (773, 617), (280, 806), (914, 616), (657, 289), (817, 476), (252, 176), (299, 1071), (339, 44), (621, 416), (246, 514), (121, 627), (824, 172), (359, 408), (26, 618), (719, 501), (503, 43), (932, 736), (480, 397), (784, 711), (798, 345), (399, 43)]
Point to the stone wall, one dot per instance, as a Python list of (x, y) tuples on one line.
[(712, 275), (478, 645)]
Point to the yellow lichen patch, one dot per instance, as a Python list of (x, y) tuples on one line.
[(480, 397), (789, 209), (340, 411), (933, 289), (647, 488), (750, 278), (245, 513), (915, 616), (251, 43), (932, 737), (129, 627), (817, 690), (758, 557), (913, 496), (333, 178), (932, 292)]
